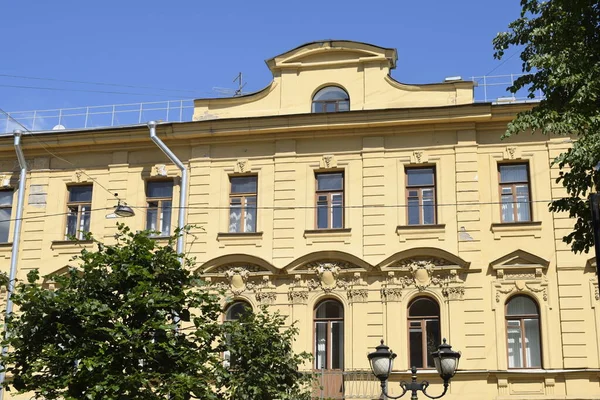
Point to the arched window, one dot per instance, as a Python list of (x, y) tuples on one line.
[(237, 309), (423, 331), (523, 333), (330, 99), (329, 335)]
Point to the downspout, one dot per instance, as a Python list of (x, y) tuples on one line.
[(16, 240), (184, 185)]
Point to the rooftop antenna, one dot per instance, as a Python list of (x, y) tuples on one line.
[(241, 84)]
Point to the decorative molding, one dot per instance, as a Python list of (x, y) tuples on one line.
[(298, 296), (423, 275), (159, 170), (512, 153), (357, 295), (389, 294), (266, 297), (517, 229), (237, 277), (242, 166), (328, 276), (419, 157), (223, 269), (420, 232), (328, 236), (328, 161), (226, 239)]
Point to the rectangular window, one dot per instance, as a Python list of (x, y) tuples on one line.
[(420, 196), (79, 208), (6, 198), (514, 192), (330, 200), (159, 198), (242, 204)]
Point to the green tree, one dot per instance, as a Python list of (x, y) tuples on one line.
[(260, 352), (559, 42), (108, 329)]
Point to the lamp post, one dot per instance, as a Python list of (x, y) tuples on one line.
[(445, 360)]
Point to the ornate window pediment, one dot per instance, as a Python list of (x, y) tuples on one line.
[(520, 271)]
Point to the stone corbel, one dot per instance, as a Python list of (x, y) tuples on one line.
[(265, 291)]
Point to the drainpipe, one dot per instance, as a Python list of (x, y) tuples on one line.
[(184, 184), (16, 239)]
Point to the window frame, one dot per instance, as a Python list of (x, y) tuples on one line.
[(420, 188), (243, 208), (329, 194), (78, 234), (423, 320), (231, 305), (521, 318), (9, 207), (512, 185), (322, 104), (159, 200), (329, 335)]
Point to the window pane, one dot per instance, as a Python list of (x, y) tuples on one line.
[(235, 214), (237, 310), (513, 173), (6, 197), (521, 305), (423, 307), (416, 347), (507, 209), (514, 344), (330, 309), (250, 222), (523, 206), (4, 224), (71, 222), (532, 343), (432, 328), (80, 193), (419, 176), (331, 93), (343, 106), (330, 107), (84, 222), (160, 189), (337, 211), (337, 344), (428, 206), (321, 345), (322, 222), (151, 216), (330, 181), (165, 218), (413, 211), (243, 184)]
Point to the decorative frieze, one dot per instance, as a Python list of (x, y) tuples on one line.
[(357, 295)]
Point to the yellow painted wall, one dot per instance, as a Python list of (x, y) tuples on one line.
[(477, 263)]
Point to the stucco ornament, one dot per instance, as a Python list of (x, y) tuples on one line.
[(237, 277), (328, 278), (421, 273)]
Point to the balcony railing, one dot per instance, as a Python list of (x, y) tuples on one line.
[(352, 384)]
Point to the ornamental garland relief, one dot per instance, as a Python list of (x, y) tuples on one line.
[(238, 283)]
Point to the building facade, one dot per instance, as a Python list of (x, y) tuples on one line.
[(361, 207)]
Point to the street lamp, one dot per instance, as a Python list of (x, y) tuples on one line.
[(445, 360)]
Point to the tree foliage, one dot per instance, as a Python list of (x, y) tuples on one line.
[(108, 331), (560, 52)]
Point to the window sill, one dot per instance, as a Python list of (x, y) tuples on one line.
[(341, 235), (4, 245), (5, 250), (239, 239), (71, 247), (517, 229), (418, 232)]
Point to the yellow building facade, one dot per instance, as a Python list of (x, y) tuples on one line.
[(361, 207)]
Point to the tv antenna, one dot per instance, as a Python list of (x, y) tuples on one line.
[(240, 80)]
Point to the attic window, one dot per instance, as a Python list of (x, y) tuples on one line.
[(331, 99)]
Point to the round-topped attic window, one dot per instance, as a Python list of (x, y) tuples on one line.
[(330, 99)]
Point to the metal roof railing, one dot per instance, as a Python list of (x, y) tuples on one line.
[(99, 116), (490, 88), (493, 88)]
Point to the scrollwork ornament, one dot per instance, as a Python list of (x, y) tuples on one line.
[(237, 277)]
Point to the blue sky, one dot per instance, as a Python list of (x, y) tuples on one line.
[(190, 47)]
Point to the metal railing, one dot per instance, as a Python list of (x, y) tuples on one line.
[(492, 88), (350, 384), (98, 116)]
